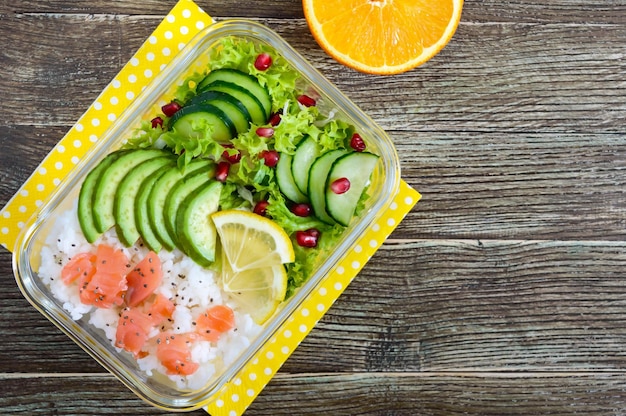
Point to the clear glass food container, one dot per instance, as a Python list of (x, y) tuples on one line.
[(160, 391)]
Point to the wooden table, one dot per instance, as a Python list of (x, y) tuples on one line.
[(502, 292)]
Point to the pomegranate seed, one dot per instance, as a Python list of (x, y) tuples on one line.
[(306, 101), (340, 186), (307, 238), (301, 210), (157, 122), (263, 61), (265, 132), (314, 232), (232, 158), (357, 143), (170, 109), (221, 171), (275, 119), (261, 208), (271, 157)]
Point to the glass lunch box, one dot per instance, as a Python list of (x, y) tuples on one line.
[(160, 391)]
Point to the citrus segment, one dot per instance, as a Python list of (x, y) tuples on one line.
[(257, 292), (382, 37), (254, 249), (251, 241)]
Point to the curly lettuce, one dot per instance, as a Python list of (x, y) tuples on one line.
[(250, 180)]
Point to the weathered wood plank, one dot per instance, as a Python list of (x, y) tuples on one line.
[(347, 394), (537, 11), (514, 78), (221, 8), (495, 185), (442, 394), (427, 306)]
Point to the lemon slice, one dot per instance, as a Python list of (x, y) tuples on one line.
[(250, 241), (257, 292), (254, 249)]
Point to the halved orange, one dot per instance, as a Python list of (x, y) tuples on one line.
[(382, 37)]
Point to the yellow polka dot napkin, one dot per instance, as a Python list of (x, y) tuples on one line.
[(184, 21)]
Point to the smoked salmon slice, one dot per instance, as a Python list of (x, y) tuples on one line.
[(174, 352), (144, 279), (214, 321)]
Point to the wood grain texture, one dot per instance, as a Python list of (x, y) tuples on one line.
[(502, 292), (436, 394)]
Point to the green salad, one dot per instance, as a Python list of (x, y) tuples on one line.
[(244, 122)]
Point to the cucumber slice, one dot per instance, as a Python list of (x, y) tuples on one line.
[(357, 167), (246, 81), (252, 104), (285, 180), (142, 218), (184, 187), (317, 183), (126, 196), (190, 120), (232, 107), (306, 152), (196, 231), (159, 194), (106, 187), (85, 196)]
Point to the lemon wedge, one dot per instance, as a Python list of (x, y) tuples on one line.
[(254, 250), (251, 241), (257, 292)]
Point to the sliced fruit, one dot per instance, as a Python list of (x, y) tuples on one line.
[(246, 81), (252, 104), (193, 119), (196, 232), (352, 172), (285, 180), (251, 241), (126, 195), (306, 152), (254, 249), (257, 292), (159, 196), (108, 181), (382, 37), (85, 197), (317, 183)]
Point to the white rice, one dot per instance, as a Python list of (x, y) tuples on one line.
[(192, 288)]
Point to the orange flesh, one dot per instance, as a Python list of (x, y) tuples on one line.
[(387, 36)]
